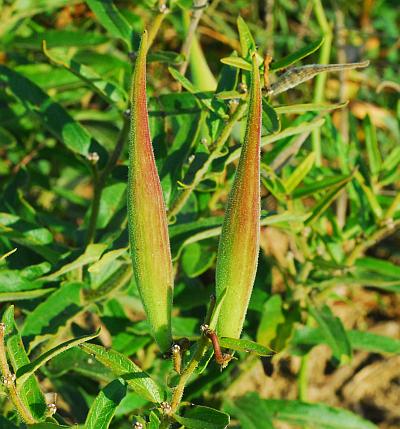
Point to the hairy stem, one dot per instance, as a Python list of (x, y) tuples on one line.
[(9, 381), (198, 8), (321, 79), (97, 190), (183, 196), (99, 180), (202, 347), (158, 20), (386, 229)]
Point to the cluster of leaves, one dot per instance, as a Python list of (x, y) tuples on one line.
[(65, 75)]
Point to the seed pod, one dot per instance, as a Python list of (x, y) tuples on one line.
[(148, 229), (240, 236)]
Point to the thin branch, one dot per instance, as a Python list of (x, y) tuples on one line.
[(198, 8), (183, 196), (9, 382), (99, 179), (158, 20), (319, 90)]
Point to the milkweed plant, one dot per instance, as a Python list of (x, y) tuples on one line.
[(228, 150)]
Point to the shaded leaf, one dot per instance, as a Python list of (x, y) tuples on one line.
[(111, 19), (272, 316), (52, 114), (30, 391), (199, 417), (245, 346), (334, 332), (103, 408), (26, 371), (123, 367), (296, 56)]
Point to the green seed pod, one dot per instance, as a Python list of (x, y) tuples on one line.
[(148, 228), (240, 236)]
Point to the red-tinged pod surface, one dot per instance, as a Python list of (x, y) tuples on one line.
[(148, 229), (239, 242)]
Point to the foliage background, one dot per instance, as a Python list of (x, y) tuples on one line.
[(332, 241)]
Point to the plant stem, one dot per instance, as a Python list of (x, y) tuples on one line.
[(9, 381), (342, 202), (183, 196), (269, 25), (303, 378), (198, 8), (202, 346), (97, 190), (99, 180), (378, 235), (163, 11), (321, 78), (393, 207)]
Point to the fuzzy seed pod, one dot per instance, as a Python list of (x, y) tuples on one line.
[(239, 242), (148, 228)]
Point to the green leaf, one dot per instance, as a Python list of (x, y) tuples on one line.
[(334, 332), (296, 56), (359, 340), (123, 367), (185, 82), (237, 62), (272, 316), (301, 413), (299, 173), (325, 202), (113, 198), (106, 260), (109, 91), (46, 425), (374, 156), (111, 19), (195, 260), (309, 107), (370, 194), (203, 97), (78, 361), (249, 413), (54, 312), (60, 39), (247, 43), (319, 415), (379, 266), (227, 95), (25, 295), (270, 118), (7, 424), (199, 417), (373, 343), (12, 281), (154, 422), (320, 185), (305, 127), (92, 254), (245, 346), (52, 114), (201, 74), (30, 391), (26, 371), (103, 408)]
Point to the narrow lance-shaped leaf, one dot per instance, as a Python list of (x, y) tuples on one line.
[(148, 231), (239, 242)]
